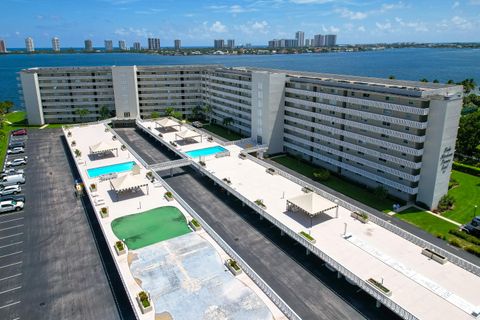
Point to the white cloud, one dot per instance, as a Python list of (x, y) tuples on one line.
[(139, 32), (392, 6), (310, 1), (461, 23), (330, 29), (361, 29), (352, 15), (455, 4), (149, 11), (218, 27), (254, 27), (416, 25), (383, 26), (234, 9)]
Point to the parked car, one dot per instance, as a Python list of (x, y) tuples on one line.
[(16, 162), (4, 191), (12, 179), (15, 150), (13, 197), (7, 206), (16, 144), (19, 132), (473, 227), (11, 171)]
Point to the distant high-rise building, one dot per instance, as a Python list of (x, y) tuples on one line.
[(248, 45), (300, 37), (307, 42), (178, 44), (55, 44), (231, 43), (319, 40), (88, 45), (3, 47), (137, 46), (29, 46), (219, 44), (153, 43), (331, 40), (282, 43), (108, 45), (122, 45)]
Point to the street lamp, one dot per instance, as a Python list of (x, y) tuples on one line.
[(475, 211)]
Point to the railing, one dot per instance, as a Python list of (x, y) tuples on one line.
[(378, 221), (135, 154), (261, 147), (170, 164), (274, 297)]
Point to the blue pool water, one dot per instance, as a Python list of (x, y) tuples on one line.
[(114, 168), (205, 151)]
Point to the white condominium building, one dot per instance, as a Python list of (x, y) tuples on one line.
[(378, 132), (29, 46), (55, 44)]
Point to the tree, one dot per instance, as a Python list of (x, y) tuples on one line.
[(155, 115), (8, 106), (208, 111), (227, 122), (435, 81), (177, 115), (169, 111), (468, 85), (197, 112), (104, 112), (82, 113), (424, 80), (391, 77), (468, 137), (450, 81)]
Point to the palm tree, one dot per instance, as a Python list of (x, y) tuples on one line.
[(208, 111), (169, 111), (424, 80), (8, 106), (227, 122), (155, 115), (450, 81), (104, 112), (177, 115), (391, 77), (82, 113), (196, 112)]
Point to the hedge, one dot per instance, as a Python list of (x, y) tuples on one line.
[(465, 236), (466, 169)]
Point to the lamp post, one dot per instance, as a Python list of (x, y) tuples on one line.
[(311, 224), (475, 211)]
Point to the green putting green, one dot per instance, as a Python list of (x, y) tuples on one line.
[(149, 227)]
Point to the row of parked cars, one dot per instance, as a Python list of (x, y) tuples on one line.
[(13, 175)]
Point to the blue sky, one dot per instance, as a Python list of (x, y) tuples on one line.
[(198, 22)]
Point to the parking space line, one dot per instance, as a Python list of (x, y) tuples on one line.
[(9, 214), (11, 264), (12, 235), (10, 304), (9, 290), (10, 254), (16, 219), (11, 244), (10, 277), (17, 226)]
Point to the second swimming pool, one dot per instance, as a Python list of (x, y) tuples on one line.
[(114, 168), (205, 151)]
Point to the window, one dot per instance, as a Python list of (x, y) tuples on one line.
[(386, 123), (387, 98), (126, 114), (366, 95)]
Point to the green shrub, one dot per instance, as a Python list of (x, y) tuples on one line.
[(119, 245), (452, 183), (259, 202), (321, 175), (440, 236), (168, 194), (195, 223), (144, 299), (446, 203), (306, 235), (232, 263), (465, 236), (465, 168), (455, 242), (473, 250), (380, 192)]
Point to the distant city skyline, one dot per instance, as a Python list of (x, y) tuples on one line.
[(198, 23)]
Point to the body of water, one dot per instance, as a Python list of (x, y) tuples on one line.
[(406, 64)]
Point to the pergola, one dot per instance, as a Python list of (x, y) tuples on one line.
[(127, 183), (167, 123), (103, 147), (310, 204), (187, 134)]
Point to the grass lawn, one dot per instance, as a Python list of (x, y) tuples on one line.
[(149, 227), (345, 187), (223, 132), (467, 195), (426, 221)]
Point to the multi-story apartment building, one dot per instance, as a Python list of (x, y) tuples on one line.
[(88, 45), (330, 40), (55, 44), (29, 46), (307, 42), (231, 43), (137, 46), (108, 45), (3, 46), (218, 44), (300, 37), (396, 134), (177, 44), (318, 40), (282, 43), (122, 45), (153, 43)]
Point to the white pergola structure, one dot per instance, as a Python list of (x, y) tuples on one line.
[(187, 134), (167, 123), (103, 147), (311, 204), (128, 183)]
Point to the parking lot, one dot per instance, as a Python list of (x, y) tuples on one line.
[(50, 267)]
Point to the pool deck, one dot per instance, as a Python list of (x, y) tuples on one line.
[(87, 135), (423, 287)]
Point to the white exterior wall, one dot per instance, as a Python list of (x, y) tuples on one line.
[(32, 99), (268, 109), (125, 91), (437, 160)]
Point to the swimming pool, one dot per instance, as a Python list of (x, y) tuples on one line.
[(114, 168), (205, 151)]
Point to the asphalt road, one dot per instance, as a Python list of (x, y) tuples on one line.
[(302, 281), (50, 267)]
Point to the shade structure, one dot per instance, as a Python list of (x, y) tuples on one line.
[(167, 123), (128, 182), (310, 203), (102, 147), (187, 134)]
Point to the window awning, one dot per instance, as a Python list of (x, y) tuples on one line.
[(310, 203)]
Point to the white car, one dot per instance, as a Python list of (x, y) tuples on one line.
[(16, 150), (11, 205), (14, 189), (17, 162), (9, 172)]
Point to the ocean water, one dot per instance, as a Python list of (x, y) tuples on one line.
[(407, 64)]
